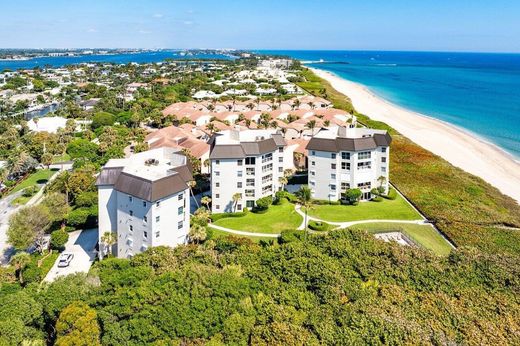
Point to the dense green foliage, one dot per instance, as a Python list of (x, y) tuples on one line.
[(344, 287)]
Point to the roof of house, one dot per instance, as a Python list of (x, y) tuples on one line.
[(235, 144), (349, 140)]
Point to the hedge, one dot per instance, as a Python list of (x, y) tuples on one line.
[(218, 216), (392, 194), (319, 225)]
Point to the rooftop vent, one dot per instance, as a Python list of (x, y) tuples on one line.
[(151, 162), (259, 138)]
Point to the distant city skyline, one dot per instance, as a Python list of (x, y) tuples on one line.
[(428, 25)]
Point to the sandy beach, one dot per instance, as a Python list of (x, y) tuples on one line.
[(459, 147)]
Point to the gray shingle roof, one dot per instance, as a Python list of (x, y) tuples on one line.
[(349, 144)]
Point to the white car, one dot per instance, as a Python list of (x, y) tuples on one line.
[(65, 259)]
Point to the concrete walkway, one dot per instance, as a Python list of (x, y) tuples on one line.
[(352, 223), (244, 233)]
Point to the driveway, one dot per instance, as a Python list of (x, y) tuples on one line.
[(6, 210), (83, 245)]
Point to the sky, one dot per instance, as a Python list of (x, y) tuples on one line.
[(431, 25)]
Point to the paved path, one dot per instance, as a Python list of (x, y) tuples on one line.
[(244, 233), (83, 245), (7, 209), (352, 223)]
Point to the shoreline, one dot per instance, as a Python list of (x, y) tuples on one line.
[(458, 146)]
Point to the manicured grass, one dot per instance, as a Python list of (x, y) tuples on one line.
[(48, 262), (22, 200), (221, 234), (41, 176), (424, 235), (397, 209), (275, 220), (61, 158)]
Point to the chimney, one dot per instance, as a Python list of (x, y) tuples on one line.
[(234, 134), (342, 131)]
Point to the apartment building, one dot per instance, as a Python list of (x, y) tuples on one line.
[(340, 158), (144, 200), (249, 163)]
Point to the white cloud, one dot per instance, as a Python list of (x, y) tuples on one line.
[(158, 15)]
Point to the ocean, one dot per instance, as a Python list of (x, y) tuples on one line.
[(478, 92)]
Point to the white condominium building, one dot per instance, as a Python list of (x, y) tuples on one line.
[(343, 158), (248, 163), (144, 200)]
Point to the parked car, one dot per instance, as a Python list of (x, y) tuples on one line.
[(65, 260)]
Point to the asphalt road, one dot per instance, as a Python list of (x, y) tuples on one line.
[(83, 245)]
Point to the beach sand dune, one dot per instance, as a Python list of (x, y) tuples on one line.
[(459, 147)]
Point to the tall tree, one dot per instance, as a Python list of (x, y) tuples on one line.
[(305, 200), (237, 197), (20, 261), (78, 326), (27, 226)]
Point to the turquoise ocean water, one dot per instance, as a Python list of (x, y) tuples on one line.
[(476, 91)]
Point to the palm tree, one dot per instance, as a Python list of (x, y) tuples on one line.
[(381, 180), (191, 185), (305, 200), (297, 103), (283, 181), (206, 200), (250, 106), (311, 125), (108, 239), (312, 105), (20, 261), (197, 233), (236, 198)]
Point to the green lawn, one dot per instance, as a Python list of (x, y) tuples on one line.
[(397, 209), (61, 158), (22, 200), (221, 234), (275, 220), (424, 235), (41, 176)]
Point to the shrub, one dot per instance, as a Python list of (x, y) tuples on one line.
[(374, 192), (218, 216), (290, 235), (263, 203), (377, 199), (392, 194), (32, 273), (82, 217), (352, 196), (325, 202), (86, 199), (58, 239), (319, 225), (30, 191)]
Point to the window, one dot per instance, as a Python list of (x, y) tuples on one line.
[(180, 210), (217, 162), (280, 159), (217, 207), (364, 165), (366, 185), (313, 183), (217, 195), (267, 168), (131, 212), (333, 166), (313, 173), (239, 185), (144, 204), (333, 156), (364, 155), (333, 176), (345, 186), (180, 224), (280, 150), (250, 193), (345, 166), (313, 163), (250, 204), (267, 189), (333, 187), (267, 158), (345, 156), (157, 234), (145, 219), (180, 197), (313, 153), (250, 160), (158, 203), (145, 234), (130, 198), (383, 159), (239, 206), (250, 171), (157, 218), (383, 169), (240, 162), (217, 173), (267, 179), (383, 149), (217, 184), (280, 169), (250, 182), (131, 228), (239, 174)]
